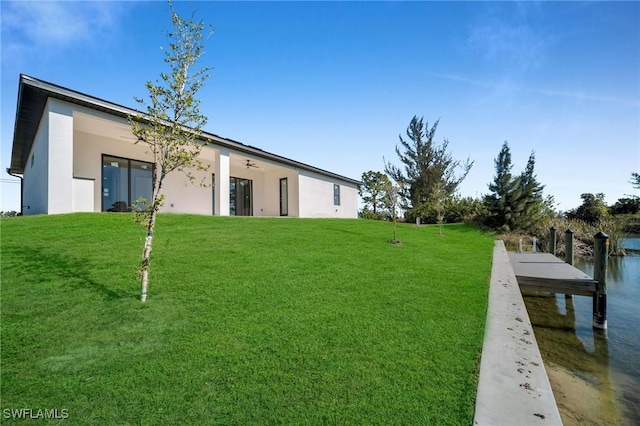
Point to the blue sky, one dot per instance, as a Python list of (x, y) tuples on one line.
[(333, 84)]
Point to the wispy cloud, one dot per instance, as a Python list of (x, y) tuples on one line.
[(505, 86), (511, 45), (29, 27)]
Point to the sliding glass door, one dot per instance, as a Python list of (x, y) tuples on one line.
[(240, 197), (123, 182)]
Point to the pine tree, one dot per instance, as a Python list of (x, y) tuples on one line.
[(373, 194), (426, 165), (498, 202), (531, 199), (635, 180), (516, 202)]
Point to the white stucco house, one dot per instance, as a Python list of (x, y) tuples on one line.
[(76, 153)]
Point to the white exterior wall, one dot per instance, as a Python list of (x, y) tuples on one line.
[(184, 196), (83, 195), (271, 187), (348, 200), (66, 175), (294, 194), (60, 156), (316, 197), (36, 172)]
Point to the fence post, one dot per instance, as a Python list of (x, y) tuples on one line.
[(601, 254), (552, 240), (568, 252)]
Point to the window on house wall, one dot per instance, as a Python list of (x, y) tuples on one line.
[(336, 194), (124, 181), (284, 197)]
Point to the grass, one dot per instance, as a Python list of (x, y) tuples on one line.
[(249, 320)]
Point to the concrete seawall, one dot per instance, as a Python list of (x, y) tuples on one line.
[(513, 387)]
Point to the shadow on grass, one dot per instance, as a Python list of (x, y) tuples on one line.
[(74, 272)]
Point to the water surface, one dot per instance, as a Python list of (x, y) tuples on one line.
[(608, 363)]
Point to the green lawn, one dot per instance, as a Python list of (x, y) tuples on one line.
[(249, 320)]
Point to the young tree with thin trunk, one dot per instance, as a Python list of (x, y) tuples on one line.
[(439, 199), (172, 124), (392, 196)]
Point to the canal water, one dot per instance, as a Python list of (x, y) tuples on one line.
[(595, 376)]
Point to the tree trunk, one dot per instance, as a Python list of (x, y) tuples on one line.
[(146, 255), (394, 229), (151, 226)]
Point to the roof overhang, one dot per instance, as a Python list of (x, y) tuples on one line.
[(32, 99)]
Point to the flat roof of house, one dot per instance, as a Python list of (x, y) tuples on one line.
[(32, 99)]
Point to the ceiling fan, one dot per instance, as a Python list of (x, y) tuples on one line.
[(250, 164)]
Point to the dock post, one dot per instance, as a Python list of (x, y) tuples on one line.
[(568, 252), (534, 245), (568, 246), (552, 240), (601, 254), (520, 245)]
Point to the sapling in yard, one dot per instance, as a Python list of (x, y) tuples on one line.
[(172, 124)]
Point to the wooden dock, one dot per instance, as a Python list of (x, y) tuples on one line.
[(545, 272)]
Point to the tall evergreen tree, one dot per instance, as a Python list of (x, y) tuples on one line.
[(500, 201), (515, 202), (531, 199), (426, 165)]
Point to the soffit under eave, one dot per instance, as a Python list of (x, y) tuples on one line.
[(31, 103), (32, 99)]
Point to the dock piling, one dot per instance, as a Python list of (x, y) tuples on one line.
[(568, 252), (601, 254), (552, 240), (568, 246)]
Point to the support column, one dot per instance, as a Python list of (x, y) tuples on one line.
[(60, 157), (221, 169)]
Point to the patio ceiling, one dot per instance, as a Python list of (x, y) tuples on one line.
[(32, 98)]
